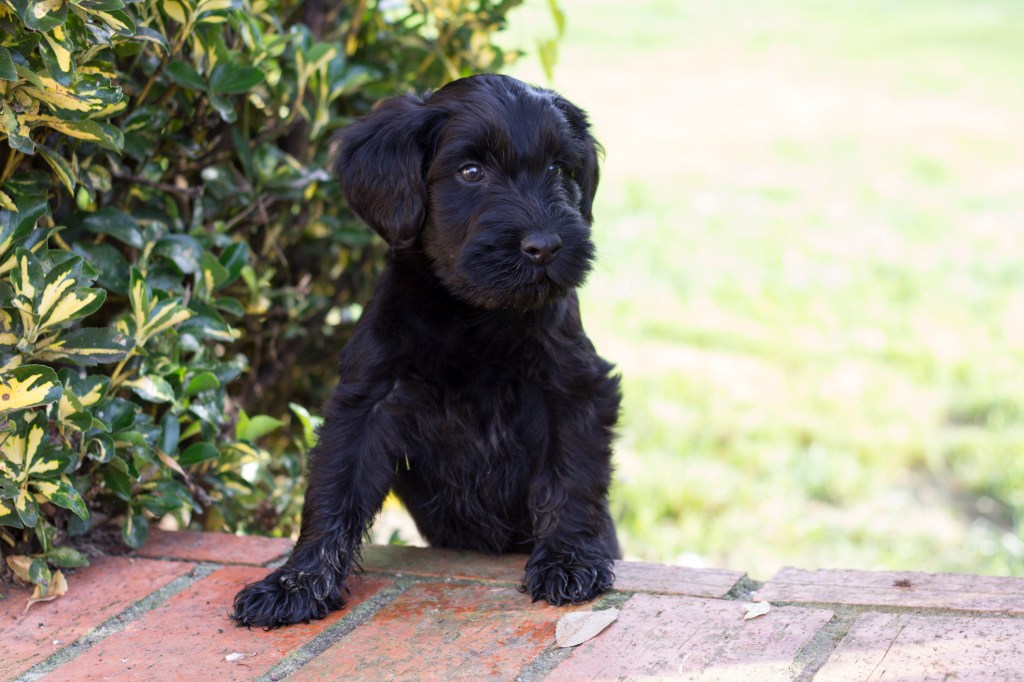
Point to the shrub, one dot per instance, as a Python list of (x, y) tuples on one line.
[(176, 266)]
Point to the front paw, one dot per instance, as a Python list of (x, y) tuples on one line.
[(572, 576), (285, 597)]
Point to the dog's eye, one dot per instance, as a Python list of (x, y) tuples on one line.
[(471, 173), (555, 170)]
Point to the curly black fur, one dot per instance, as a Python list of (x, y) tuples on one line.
[(469, 385)]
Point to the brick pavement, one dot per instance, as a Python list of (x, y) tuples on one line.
[(420, 614)]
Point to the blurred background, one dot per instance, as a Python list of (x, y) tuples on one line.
[(811, 228)]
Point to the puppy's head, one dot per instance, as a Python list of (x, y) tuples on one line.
[(491, 179)]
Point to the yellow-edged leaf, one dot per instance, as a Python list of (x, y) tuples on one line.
[(53, 291), (28, 386), (7, 335), (73, 305), (24, 285), (171, 315), (13, 450), (45, 489), (6, 202), (176, 10)]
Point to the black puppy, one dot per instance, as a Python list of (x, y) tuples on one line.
[(469, 384)]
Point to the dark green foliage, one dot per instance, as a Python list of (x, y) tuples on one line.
[(177, 267)]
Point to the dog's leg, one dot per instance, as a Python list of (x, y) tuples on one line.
[(350, 472), (575, 544)]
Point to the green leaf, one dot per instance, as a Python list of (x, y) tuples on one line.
[(119, 482), (184, 75), (310, 424), (135, 530), (110, 264), (7, 72), (251, 429), (198, 452), (234, 79), (181, 249), (99, 5), (66, 557), (28, 386), (115, 223), (8, 489), (204, 381), (224, 106), (89, 346), (117, 413), (228, 305), (234, 258), (152, 388), (170, 431)]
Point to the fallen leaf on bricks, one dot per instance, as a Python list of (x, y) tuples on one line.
[(58, 588), (758, 608), (575, 628)]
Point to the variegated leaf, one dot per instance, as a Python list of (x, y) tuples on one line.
[(57, 51), (65, 173), (62, 299), (61, 493), (27, 509), (28, 386), (8, 337), (8, 515), (88, 346), (152, 388)]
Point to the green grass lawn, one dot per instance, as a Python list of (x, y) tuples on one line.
[(811, 228)]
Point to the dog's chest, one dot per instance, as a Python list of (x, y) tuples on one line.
[(471, 442)]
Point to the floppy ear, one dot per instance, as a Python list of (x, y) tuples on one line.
[(586, 174), (380, 162)]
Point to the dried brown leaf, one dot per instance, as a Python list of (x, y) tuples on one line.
[(58, 588), (755, 609), (577, 627), (20, 565)]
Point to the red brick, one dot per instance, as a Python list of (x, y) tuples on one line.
[(188, 637), (637, 576), (104, 589), (903, 646), (435, 631), (444, 563), (218, 548), (630, 576), (689, 638), (944, 590)]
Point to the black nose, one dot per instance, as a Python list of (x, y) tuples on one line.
[(541, 247)]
